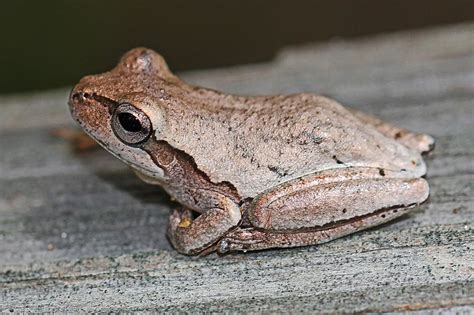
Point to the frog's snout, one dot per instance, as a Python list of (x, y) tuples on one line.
[(78, 101), (77, 98), (83, 105), (82, 93)]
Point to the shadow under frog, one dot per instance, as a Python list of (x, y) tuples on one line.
[(261, 171)]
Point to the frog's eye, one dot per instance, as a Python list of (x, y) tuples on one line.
[(130, 124)]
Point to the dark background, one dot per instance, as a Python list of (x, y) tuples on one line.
[(47, 44)]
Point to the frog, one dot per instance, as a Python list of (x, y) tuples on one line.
[(251, 172)]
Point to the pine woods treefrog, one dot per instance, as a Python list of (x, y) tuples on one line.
[(251, 172)]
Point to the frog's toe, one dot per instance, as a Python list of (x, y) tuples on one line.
[(180, 217), (420, 142), (426, 143)]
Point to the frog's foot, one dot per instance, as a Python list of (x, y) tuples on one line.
[(421, 142), (417, 141), (250, 239), (192, 236)]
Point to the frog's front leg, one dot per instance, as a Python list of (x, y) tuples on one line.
[(322, 206), (191, 237), (418, 141)]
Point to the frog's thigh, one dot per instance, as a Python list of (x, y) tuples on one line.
[(191, 237), (417, 141), (249, 239), (330, 196)]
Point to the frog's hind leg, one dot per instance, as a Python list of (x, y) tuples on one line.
[(418, 141), (250, 238), (322, 206), (334, 195)]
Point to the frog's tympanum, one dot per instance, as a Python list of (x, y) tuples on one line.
[(251, 172)]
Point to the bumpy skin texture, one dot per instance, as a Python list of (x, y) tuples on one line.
[(221, 155)]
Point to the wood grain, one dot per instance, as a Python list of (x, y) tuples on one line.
[(79, 232)]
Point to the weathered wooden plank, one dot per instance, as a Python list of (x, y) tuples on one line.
[(163, 280), (78, 231)]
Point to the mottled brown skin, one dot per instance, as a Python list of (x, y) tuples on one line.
[(262, 171)]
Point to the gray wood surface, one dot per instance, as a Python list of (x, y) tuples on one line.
[(78, 231)]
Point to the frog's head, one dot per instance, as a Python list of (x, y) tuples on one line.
[(123, 109)]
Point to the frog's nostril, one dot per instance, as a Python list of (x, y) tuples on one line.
[(80, 97), (76, 97)]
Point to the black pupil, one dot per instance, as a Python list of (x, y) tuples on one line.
[(129, 122)]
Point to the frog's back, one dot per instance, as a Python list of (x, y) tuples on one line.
[(256, 143)]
